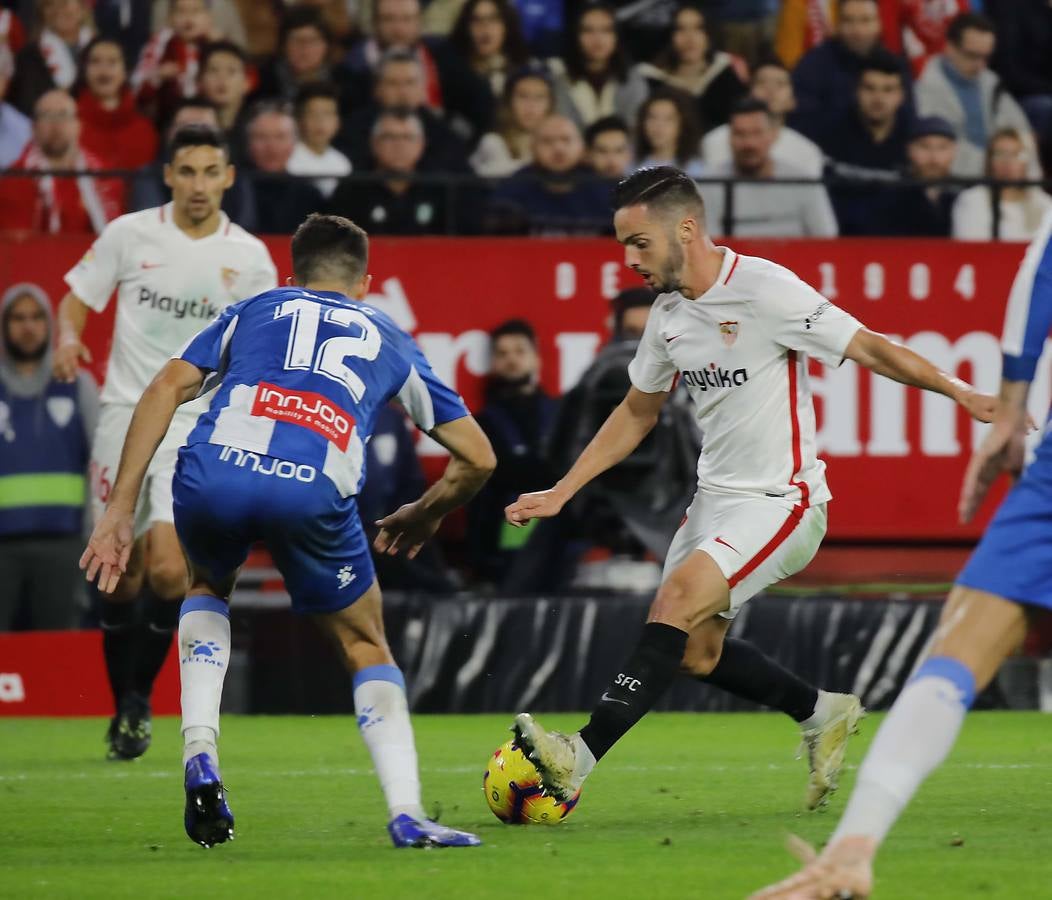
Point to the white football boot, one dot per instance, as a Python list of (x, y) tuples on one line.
[(563, 760), (826, 745)]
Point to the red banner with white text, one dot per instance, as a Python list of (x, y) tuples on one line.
[(895, 457)]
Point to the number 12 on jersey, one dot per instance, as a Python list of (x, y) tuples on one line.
[(327, 359)]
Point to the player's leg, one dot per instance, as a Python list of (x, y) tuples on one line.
[(977, 631)]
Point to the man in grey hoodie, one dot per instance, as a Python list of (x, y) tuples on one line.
[(45, 442)]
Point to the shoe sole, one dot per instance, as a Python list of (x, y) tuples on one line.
[(210, 825), (828, 780), (524, 724)]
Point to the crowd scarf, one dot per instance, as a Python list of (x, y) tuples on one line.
[(818, 25), (59, 58), (165, 47), (432, 84), (34, 160)]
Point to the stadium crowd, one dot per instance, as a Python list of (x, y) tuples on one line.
[(496, 116)]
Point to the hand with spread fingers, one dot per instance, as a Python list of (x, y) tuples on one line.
[(109, 548), (406, 530)]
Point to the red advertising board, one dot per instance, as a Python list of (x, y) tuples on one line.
[(895, 457)]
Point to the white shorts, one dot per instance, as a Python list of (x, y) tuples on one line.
[(756, 541), (155, 499)]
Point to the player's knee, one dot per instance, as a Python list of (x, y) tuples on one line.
[(168, 578), (677, 605), (700, 660)]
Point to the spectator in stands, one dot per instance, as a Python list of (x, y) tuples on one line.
[(45, 429), (58, 205), (169, 64), (802, 26), (958, 86), (1023, 57), (488, 33), (224, 83), (517, 416), (281, 203), (557, 194), (111, 127), (826, 77), (772, 84), (922, 210), (304, 58), (1019, 210), (226, 18), (450, 87), (608, 144), (130, 24), (692, 63), (764, 210), (917, 28), (745, 28), (150, 191), (12, 32), (596, 78), (401, 84), (667, 133), (397, 204), (51, 60), (15, 128), (528, 99), (318, 120)]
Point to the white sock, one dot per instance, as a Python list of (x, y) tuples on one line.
[(383, 719), (204, 655), (823, 710), (914, 739)]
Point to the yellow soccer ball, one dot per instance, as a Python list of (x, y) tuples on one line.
[(513, 790)]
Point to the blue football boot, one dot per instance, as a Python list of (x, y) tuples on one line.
[(409, 832), (208, 819)]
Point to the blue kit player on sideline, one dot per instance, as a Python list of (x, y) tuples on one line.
[(297, 377), (1006, 582)]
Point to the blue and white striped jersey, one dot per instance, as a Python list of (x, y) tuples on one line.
[(1028, 318), (300, 376)]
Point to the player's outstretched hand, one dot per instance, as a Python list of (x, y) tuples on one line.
[(67, 359), (538, 505), (109, 548), (1002, 451), (406, 529)]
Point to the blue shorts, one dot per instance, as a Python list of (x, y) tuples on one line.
[(1014, 558), (227, 499)]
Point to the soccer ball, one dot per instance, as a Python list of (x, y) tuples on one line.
[(513, 790)]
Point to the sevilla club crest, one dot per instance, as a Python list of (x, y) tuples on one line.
[(729, 333)]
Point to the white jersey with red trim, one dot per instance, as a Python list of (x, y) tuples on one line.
[(741, 348), (169, 287)]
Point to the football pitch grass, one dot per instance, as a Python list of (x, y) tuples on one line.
[(686, 806)]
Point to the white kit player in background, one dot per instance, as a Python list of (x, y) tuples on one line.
[(174, 268), (738, 330)]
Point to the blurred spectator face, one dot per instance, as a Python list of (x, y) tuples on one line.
[(104, 71), (752, 135), (513, 358), (397, 144), (773, 86), (319, 121), (306, 50), (487, 29), (531, 100), (597, 36), (400, 85), (557, 145), (64, 17), (634, 322), (198, 176), (193, 115), (271, 140), (931, 156), (879, 97), (56, 128), (191, 20), (398, 23), (690, 40), (224, 80), (7, 68), (661, 127), (1007, 159), (859, 26), (610, 153), (26, 329), (971, 57)]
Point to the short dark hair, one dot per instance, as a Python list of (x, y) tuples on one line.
[(630, 298), (745, 106), (196, 136), (216, 47), (960, 23), (516, 328), (883, 61), (602, 126), (767, 62), (304, 17), (316, 90), (396, 56), (326, 246), (658, 186)]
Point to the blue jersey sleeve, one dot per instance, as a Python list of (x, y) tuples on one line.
[(427, 400), (1028, 318), (208, 349)]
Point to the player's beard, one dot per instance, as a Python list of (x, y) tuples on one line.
[(671, 277)]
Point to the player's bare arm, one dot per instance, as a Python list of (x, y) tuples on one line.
[(70, 352), (619, 435), (471, 464), (110, 545), (885, 357)]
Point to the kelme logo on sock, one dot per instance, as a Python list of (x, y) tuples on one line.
[(203, 652)]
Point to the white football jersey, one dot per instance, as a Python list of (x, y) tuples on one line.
[(741, 348), (169, 287)]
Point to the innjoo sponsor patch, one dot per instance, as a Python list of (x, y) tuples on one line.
[(306, 409)]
